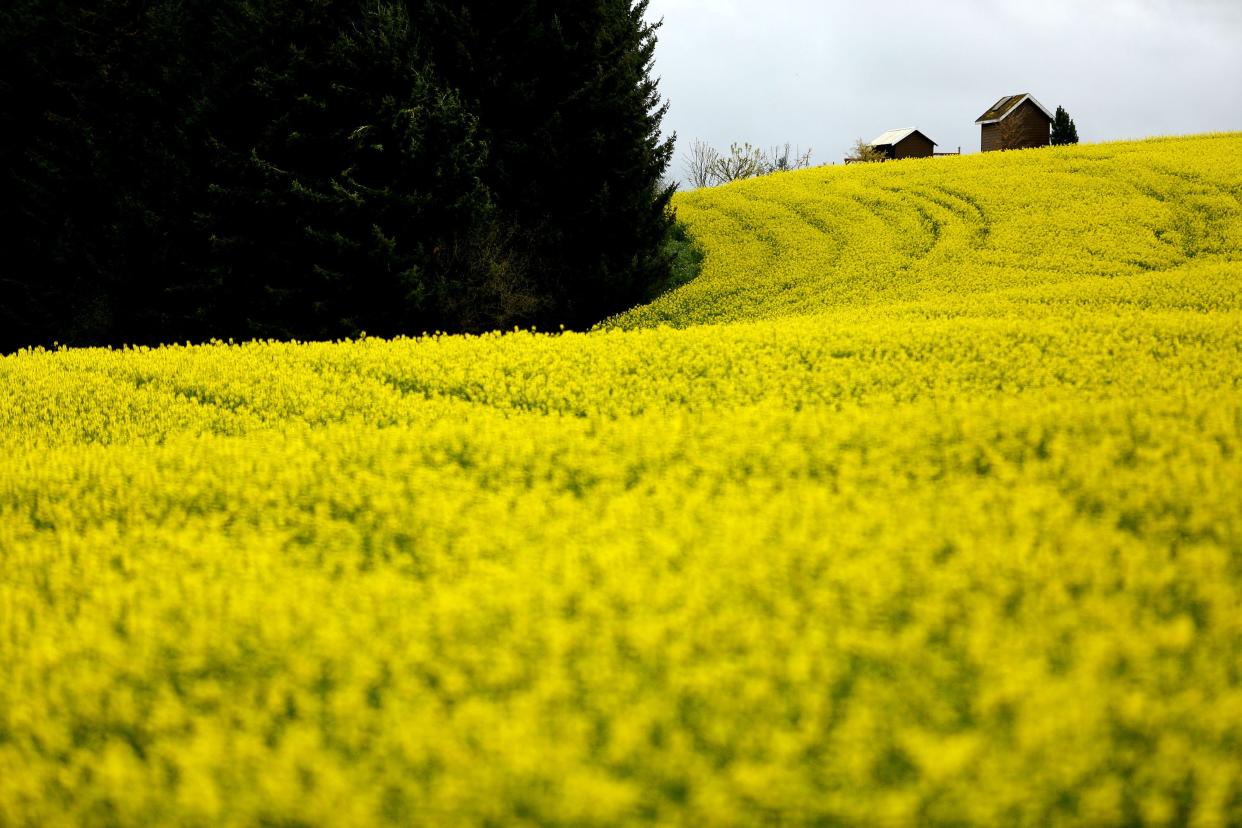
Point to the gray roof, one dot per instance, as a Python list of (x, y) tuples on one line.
[(895, 136), (1007, 105)]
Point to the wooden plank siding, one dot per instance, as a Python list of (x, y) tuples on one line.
[(1032, 129), (914, 145)]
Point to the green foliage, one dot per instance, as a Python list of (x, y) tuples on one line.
[(360, 168), (267, 168), (687, 260), (572, 115), (275, 168), (864, 153), (1063, 129), (741, 161)]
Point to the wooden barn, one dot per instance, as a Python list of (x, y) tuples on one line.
[(904, 143), (1015, 122)]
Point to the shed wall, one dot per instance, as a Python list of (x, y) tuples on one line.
[(914, 145), (989, 137), (1032, 129)]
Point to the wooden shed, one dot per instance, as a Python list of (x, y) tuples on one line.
[(1015, 122), (904, 143)]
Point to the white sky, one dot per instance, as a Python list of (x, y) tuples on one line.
[(821, 74)]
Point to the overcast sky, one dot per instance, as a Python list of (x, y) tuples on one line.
[(822, 73)]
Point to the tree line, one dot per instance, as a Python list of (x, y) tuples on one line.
[(706, 166), (180, 170)]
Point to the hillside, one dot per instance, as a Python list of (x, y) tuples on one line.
[(921, 505), (964, 234)]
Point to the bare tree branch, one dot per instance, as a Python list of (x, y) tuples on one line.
[(1010, 133), (742, 161), (706, 166), (786, 158), (700, 163)]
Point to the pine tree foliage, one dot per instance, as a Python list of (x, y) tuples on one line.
[(1063, 129), (314, 169), (569, 106)]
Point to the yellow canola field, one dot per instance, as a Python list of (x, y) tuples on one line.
[(924, 506)]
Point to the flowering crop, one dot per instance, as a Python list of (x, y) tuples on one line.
[(922, 504)]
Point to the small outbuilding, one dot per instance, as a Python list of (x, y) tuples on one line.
[(1015, 122), (904, 143)]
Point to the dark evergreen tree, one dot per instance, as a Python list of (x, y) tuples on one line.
[(185, 169), (571, 113), (179, 170), (1063, 129), (362, 170)]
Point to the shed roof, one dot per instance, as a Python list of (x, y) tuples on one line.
[(1006, 106), (895, 136)]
